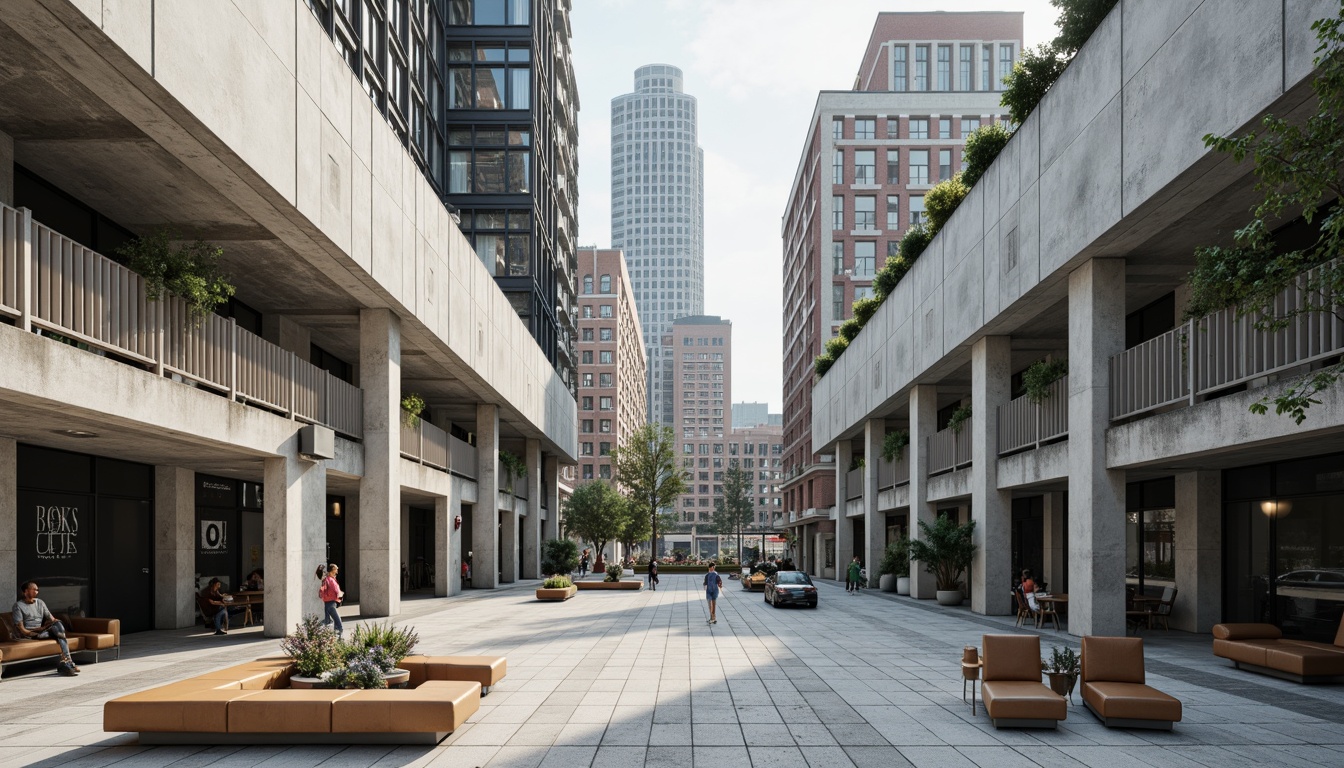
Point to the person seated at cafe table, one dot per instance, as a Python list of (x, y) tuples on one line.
[(255, 581), (214, 607)]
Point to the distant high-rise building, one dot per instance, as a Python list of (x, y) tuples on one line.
[(611, 361), (658, 212), (750, 415), (925, 82)]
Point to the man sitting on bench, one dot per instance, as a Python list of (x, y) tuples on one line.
[(33, 621)]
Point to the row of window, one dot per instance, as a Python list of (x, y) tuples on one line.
[(865, 212), (916, 128), (603, 380), (966, 80), (604, 283), (865, 166), (604, 334), (604, 357)]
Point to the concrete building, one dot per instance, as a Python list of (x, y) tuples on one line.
[(612, 370), (755, 415), (511, 122), (1143, 470), (926, 80), (143, 450), (658, 213)]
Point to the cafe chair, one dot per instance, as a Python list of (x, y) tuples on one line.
[(1024, 614), (1162, 612)]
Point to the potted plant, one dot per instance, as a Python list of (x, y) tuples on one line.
[(315, 649), (946, 549), (412, 405), (613, 572), (386, 646), (362, 669), (895, 566), (958, 419), (1062, 669)]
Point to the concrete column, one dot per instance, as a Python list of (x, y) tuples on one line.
[(923, 422), (174, 547), (295, 519), (380, 487), (844, 527), (1096, 494), (531, 555), (9, 517), (351, 564), (508, 543), (485, 513), (443, 546), (1199, 551), (551, 487), (402, 545), (874, 523), (992, 509), (1055, 535)]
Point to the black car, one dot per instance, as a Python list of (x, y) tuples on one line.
[(790, 588)]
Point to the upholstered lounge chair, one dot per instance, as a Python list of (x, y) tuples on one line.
[(1263, 648), (1114, 686), (1012, 691)]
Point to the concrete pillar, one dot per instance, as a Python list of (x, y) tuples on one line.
[(874, 523), (844, 527), (1096, 494), (923, 422), (508, 542), (530, 567), (9, 518), (551, 487), (6, 172), (991, 570), (403, 542), (1199, 551), (1054, 547), (485, 513), (351, 564), (443, 546), (295, 519), (380, 487), (174, 547)]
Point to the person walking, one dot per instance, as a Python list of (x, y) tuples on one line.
[(331, 595), (855, 574), (653, 574), (583, 563), (713, 585)]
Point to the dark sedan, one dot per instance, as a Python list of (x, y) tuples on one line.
[(790, 588)]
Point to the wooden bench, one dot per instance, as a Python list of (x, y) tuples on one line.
[(86, 636), (486, 670)]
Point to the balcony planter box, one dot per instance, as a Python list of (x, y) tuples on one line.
[(902, 585), (559, 595), (950, 597), (636, 585)]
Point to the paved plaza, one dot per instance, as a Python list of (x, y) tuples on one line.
[(627, 679)]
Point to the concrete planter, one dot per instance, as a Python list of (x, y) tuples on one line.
[(950, 597), (887, 582), (903, 585), (556, 595), (300, 683), (586, 585)]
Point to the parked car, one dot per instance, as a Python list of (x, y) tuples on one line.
[(790, 588)]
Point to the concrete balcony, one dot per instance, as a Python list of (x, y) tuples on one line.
[(1025, 425), (950, 449)]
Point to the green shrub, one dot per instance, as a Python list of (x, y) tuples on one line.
[(913, 243), (887, 278), (849, 330), (1078, 19), (982, 146), (314, 648), (557, 582), (559, 556), (941, 201), (896, 558), (836, 347), (189, 271), (1031, 78), (613, 572), (959, 417), (395, 642), (412, 405), (894, 444), (1038, 377), (822, 364), (864, 309)]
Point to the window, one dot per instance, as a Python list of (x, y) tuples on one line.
[(865, 212), (586, 380), (1005, 59), (587, 426), (898, 54), (944, 164), (489, 76), (944, 127), (587, 403), (587, 283), (587, 311), (604, 449), (605, 403), (604, 379), (604, 334), (893, 213), (837, 213), (605, 357), (964, 68), (863, 292), (838, 302), (944, 67), (606, 284), (604, 310), (916, 209), (986, 61), (893, 166), (865, 167), (865, 258), (919, 166), (585, 449), (604, 426), (838, 167), (502, 238), (587, 471), (919, 128), (893, 128), (586, 358), (969, 125), (921, 67), (837, 258), (489, 12), (587, 334), (489, 160), (838, 128), (865, 128), (604, 471)]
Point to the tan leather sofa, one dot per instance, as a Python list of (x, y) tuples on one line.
[(1115, 688), (252, 704), (1012, 692), (1263, 648), (85, 636), (486, 670)]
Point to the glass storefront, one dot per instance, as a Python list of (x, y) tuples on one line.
[(1284, 545), (1150, 535)]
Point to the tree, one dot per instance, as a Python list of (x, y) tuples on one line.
[(733, 510), (596, 512), (1299, 168), (559, 556), (1078, 19), (1032, 76), (646, 468)]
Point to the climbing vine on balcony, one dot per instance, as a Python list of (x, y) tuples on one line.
[(187, 270)]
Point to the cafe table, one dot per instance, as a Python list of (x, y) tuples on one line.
[(1051, 605), (246, 599)]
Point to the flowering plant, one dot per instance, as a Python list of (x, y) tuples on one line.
[(364, 669)]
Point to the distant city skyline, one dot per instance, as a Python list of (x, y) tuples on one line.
[(752, 121)]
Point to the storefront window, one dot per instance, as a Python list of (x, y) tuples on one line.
[(1150, 535)]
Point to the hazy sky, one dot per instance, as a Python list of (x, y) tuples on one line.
[(755, 67)]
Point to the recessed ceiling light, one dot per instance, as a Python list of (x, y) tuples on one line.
[(83, 435)]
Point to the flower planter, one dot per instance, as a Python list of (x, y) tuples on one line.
[(300, 683), (902, 585), (887, 582), (1062, 683), (556, 595), (950, 597), (586, 585), (398, 679)]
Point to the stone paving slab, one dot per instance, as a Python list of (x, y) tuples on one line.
[(629, 679)]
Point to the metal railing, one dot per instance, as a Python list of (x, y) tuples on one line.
[(1222, 350), (886, 474), (52, 283), (423, 442), (1024, 424), (520, 484), (854, 484), (950, 449), (461, 457)]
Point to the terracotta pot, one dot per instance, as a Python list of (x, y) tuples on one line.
[(1062, 682)]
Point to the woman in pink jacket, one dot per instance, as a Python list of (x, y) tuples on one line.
[(331, 595)]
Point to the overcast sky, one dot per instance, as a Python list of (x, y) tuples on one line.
[(755, 67)]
